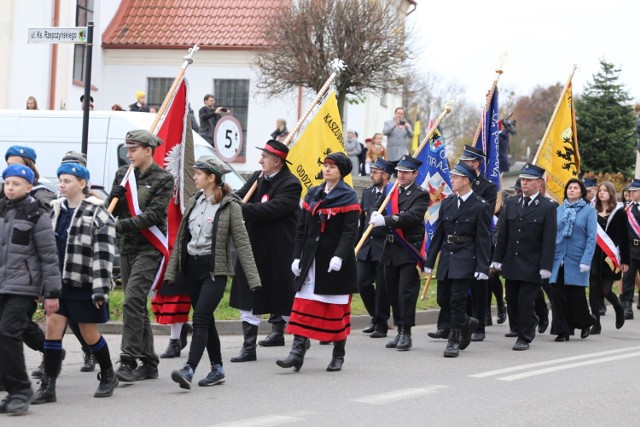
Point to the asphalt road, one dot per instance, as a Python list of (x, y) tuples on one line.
[(580, 382)]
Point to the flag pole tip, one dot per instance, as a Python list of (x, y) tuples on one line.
[(449, 105), (337, 65), (189, 56)]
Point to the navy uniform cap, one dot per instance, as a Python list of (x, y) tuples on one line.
[(472, 153), (590, 182), (383, 165), (635, 185), (462, 169), (530, 171), (408, 164)]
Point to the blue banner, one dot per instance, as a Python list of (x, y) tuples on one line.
[(489, 141)]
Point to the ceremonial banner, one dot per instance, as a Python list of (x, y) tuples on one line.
[(321, 136), (416, 135), (433, 176), (558, 152), (489, 141)]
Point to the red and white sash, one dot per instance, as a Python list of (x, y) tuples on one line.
[(608, 247), (633, 222), (152, 234)]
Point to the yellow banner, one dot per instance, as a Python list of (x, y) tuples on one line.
[(416, 137), (558, 152), (321, 137)]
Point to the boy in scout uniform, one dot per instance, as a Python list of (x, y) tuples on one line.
[(139, 259), (463, 238)]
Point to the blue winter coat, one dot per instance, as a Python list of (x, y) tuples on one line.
[(576, 249)]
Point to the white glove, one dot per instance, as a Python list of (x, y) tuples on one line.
[(377, 219), (584, 268), (295, 267), (427, 270), (545, 274), (496, 266), (335, 264), (480, 276)]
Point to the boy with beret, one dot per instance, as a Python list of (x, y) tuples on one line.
[(28, 263)]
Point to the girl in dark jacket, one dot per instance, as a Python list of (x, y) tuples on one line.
[(85, 235), (324, 265), (612, 218)]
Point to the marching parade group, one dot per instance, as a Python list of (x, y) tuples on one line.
[(296, 262)]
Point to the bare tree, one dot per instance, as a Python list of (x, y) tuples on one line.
[(370, 37)]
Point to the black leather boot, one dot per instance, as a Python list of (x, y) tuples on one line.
[(184, 335), (404, 343), (173, 349), (628, 311), (248, 351), (488, 319), (467, 330), (394, 342), (337, 358), (502, 314), (47, 391), (108, 383), (89, 362), (295, 359), (453, 345), (619, 315), (275, 338)]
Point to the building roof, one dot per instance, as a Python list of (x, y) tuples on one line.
[(179, 24)]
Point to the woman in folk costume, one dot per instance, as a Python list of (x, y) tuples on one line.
[(324, 265), (612, 219)]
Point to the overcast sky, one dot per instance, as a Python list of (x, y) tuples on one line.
[(463, 40)]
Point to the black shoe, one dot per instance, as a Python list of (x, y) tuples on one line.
[(562, 337), (173, 349), (404, 341), (19, 402), (520, 345), (619, 316), (453, 345), (584, 333), (248, 350), (394, 342), (215, 377), (146, 371), (628, 311), (638, 305), (603, 309), (183, 376), (3, 404), (108, 383), (488, 319), (295, 358), (337, 357), (184, 335), (543, 325), (89, 362), (324, 342), (439, 334), (511, 334), (596, 329), (467, 330), (275, 338), (478, 336), (502, 314), (47, 391), (378, 334), (126, 371), (369, 328)]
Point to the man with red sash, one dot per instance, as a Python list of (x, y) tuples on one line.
[(629, 278), (141, 226), (404, 226)]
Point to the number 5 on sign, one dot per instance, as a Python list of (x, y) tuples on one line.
[(227, 138)]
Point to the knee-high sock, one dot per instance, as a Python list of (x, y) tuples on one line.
[(101, 352), (52, 357)]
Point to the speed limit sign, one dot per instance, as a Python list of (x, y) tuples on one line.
[(227, 138)]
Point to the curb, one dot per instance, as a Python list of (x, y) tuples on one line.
[(234, 327)]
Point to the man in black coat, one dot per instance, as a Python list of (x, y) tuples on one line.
[(463, 238), (629, 278), (404, 226), (375, 298), (270, 217), (209, 116), (525, 250)]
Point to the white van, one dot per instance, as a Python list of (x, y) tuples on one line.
[(52, 133)]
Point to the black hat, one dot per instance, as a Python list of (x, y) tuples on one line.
[(408, 164), (472, 153), (383, 165), (635, 185), (277, 149), (462, 169), (590, 182), (341, 161), (530, 171)]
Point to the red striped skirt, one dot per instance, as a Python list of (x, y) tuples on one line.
[(320, 320), (171, 308)]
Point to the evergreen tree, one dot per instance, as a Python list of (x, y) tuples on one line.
[(606, 124)]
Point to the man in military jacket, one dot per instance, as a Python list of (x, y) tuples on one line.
[(629, 278), (463, 238), (525, 250), (404, 226)]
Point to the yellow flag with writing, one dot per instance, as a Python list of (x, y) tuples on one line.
[(558, 152), (321, 136), (416, 136)]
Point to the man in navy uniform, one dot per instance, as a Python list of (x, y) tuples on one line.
[(525, 250), (629, 278), (463, 238), (404, 226), (375, 298)]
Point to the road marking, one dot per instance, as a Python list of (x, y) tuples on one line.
[(568, 366), (394, 396), (264, 421), (551, 362)]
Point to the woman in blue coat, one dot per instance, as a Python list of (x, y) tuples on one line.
[(575, 245)]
